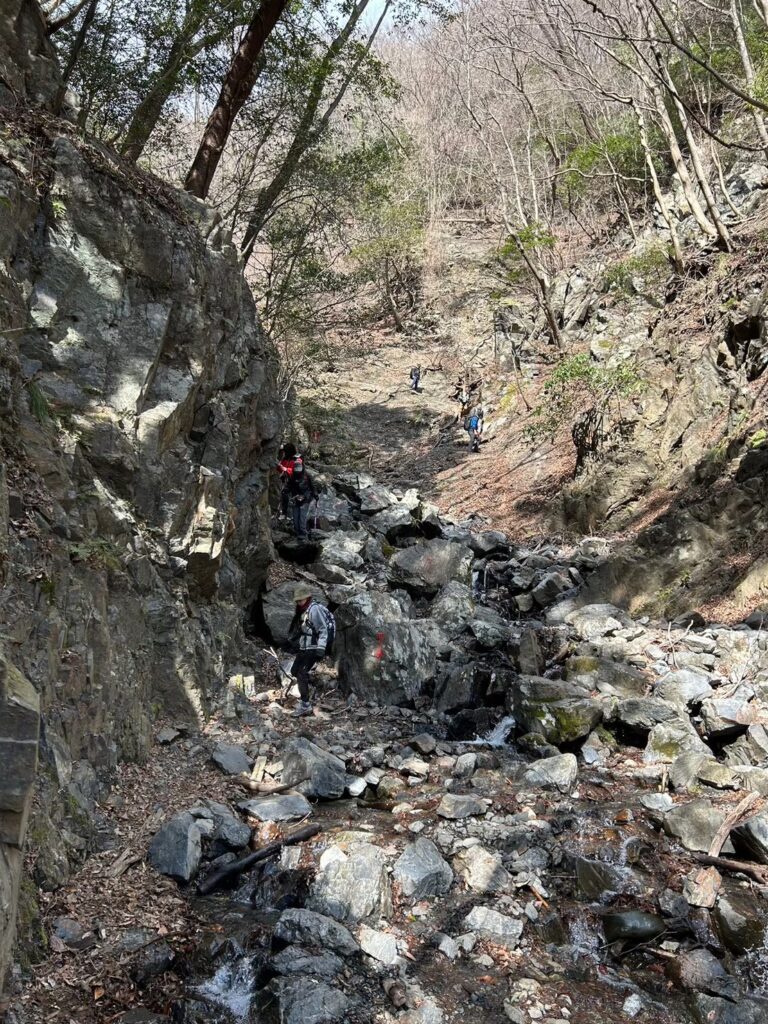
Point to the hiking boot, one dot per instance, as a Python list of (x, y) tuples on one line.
[(304, 708)]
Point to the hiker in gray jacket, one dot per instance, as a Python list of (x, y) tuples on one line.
[(316, 629)]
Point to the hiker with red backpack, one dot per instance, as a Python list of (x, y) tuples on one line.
[(301, 493)]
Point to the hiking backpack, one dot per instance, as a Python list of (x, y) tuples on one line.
[(330, 623), (414, 372)]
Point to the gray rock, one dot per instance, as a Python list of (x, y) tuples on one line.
[(352, 885), (229, 832), (395, 524), (739, 923), (308, 928), (231, 758), (488, 542), (420, 870), (425, 743), (669, 740), (725, 717), (482, 870), (455, 806), (596, 620), (751, 838), (176, 848), (750, 749), (642, 715), (283, 807), (73, 934), (289, 1000), (558, 772), (683, 687), (550, 588), (314, 771), (426, 567), (497, 928), (453, 606), (380, 945), (376, 498), (695, 824), (344, 549), (294, 960), (700, 971), (383, 656), (530, 657), (713, 1010)]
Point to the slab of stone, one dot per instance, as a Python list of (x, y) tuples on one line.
[(695, 824), (380, 945), (231, 758), (295, 960), (455, 806), (482, 870), (559, 772), (283, 807), (308, 928)]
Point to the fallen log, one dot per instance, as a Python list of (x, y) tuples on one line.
[(237, 867), (267, 788), (757, 871)]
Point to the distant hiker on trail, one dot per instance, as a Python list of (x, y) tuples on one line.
[(285, 460), (315, 627), (415, 378), (474, 428), (302, 492)]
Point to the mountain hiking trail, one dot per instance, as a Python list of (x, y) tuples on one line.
[(529, 808)]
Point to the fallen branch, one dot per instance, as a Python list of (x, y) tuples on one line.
[(237, 867), (757, 871), (267, 788), (731, 820)]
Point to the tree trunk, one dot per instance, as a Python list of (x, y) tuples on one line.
[(307, 133), (749, 69), (391, 299), (147, 114), (77, 46), (665, 213), (235, 90)]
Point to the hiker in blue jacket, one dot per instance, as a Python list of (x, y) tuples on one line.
[(474, 428)]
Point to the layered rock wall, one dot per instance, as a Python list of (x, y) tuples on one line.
[(138, 422)]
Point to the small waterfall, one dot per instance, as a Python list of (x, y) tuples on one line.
[(497, 737), (231, 988)]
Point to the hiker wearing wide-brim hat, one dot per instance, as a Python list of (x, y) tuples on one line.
[(316, 629)]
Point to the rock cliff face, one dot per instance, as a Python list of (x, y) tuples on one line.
[(138, 421)]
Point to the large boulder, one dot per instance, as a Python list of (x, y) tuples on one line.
[(421, 871), (352, 885), (296, 1000), (231, 758), (426, 567), (308, 928), (176, 848), (314, 771), (383, 656)]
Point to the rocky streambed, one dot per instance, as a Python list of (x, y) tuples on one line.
[(530, 809)]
